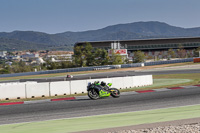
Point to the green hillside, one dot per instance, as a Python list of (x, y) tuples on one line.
[(21, 40)]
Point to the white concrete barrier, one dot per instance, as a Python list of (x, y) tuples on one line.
[(107, 80), (12, 91), (136, 82), (78, 86), (37, 90), (150, 79), (60, 88), (118, 82), (128, 82), (33, 89), (141, 80)]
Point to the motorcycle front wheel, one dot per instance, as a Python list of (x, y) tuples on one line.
[(92, 94), (115, 93)]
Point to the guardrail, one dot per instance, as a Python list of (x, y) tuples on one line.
[(33, 89), (98, 67), (132, 65), (60, 71), (168, 62)]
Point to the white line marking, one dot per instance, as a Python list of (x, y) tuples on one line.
[(189, 86), (162, 89), (129, 93), (37, 101), (81, 97)]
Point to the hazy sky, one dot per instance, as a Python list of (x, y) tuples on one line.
[(55, 16)]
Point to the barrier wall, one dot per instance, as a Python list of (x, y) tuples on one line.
[(12, 91), (118, 83), (78, 86), (136, 82), (34, 89), (60, 88), (98, 67), (37, 90), (128, 82), (196, 60)]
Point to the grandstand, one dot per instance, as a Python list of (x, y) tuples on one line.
[(150, 46)]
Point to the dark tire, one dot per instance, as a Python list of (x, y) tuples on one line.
[(115, 93), (92, 94)]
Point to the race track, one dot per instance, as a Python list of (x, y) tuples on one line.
[(131, 73), (113, 74), (86, 107)]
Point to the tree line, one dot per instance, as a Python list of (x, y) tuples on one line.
[(88, 56), (84, 56)]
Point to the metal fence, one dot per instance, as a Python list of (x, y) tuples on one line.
[(132, 65), (168, 62), (61, 70), (98, 67)]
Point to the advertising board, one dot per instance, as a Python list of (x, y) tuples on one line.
[(117, 51)]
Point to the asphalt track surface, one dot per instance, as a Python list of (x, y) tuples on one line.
[(115, 74), (86, 107), (136, 73), (109, 74)]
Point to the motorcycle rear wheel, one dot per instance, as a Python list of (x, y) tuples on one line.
[(92, 94), (115, 93)]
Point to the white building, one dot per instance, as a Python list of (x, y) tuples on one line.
[(40, 60), (28, 55), (3, 53), (66, 56)]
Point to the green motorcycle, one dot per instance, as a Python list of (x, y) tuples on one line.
[(98, 90)]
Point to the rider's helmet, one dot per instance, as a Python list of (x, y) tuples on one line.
[(103, 83), (96, 82)]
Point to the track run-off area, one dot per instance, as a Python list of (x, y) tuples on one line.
[(84, 114)]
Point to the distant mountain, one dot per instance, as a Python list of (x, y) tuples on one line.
[(36, 37), (22, 40), (138, 30), (14, 44), (135, 30)]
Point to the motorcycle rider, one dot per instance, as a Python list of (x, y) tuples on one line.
[(97, 90), (103, 84)]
